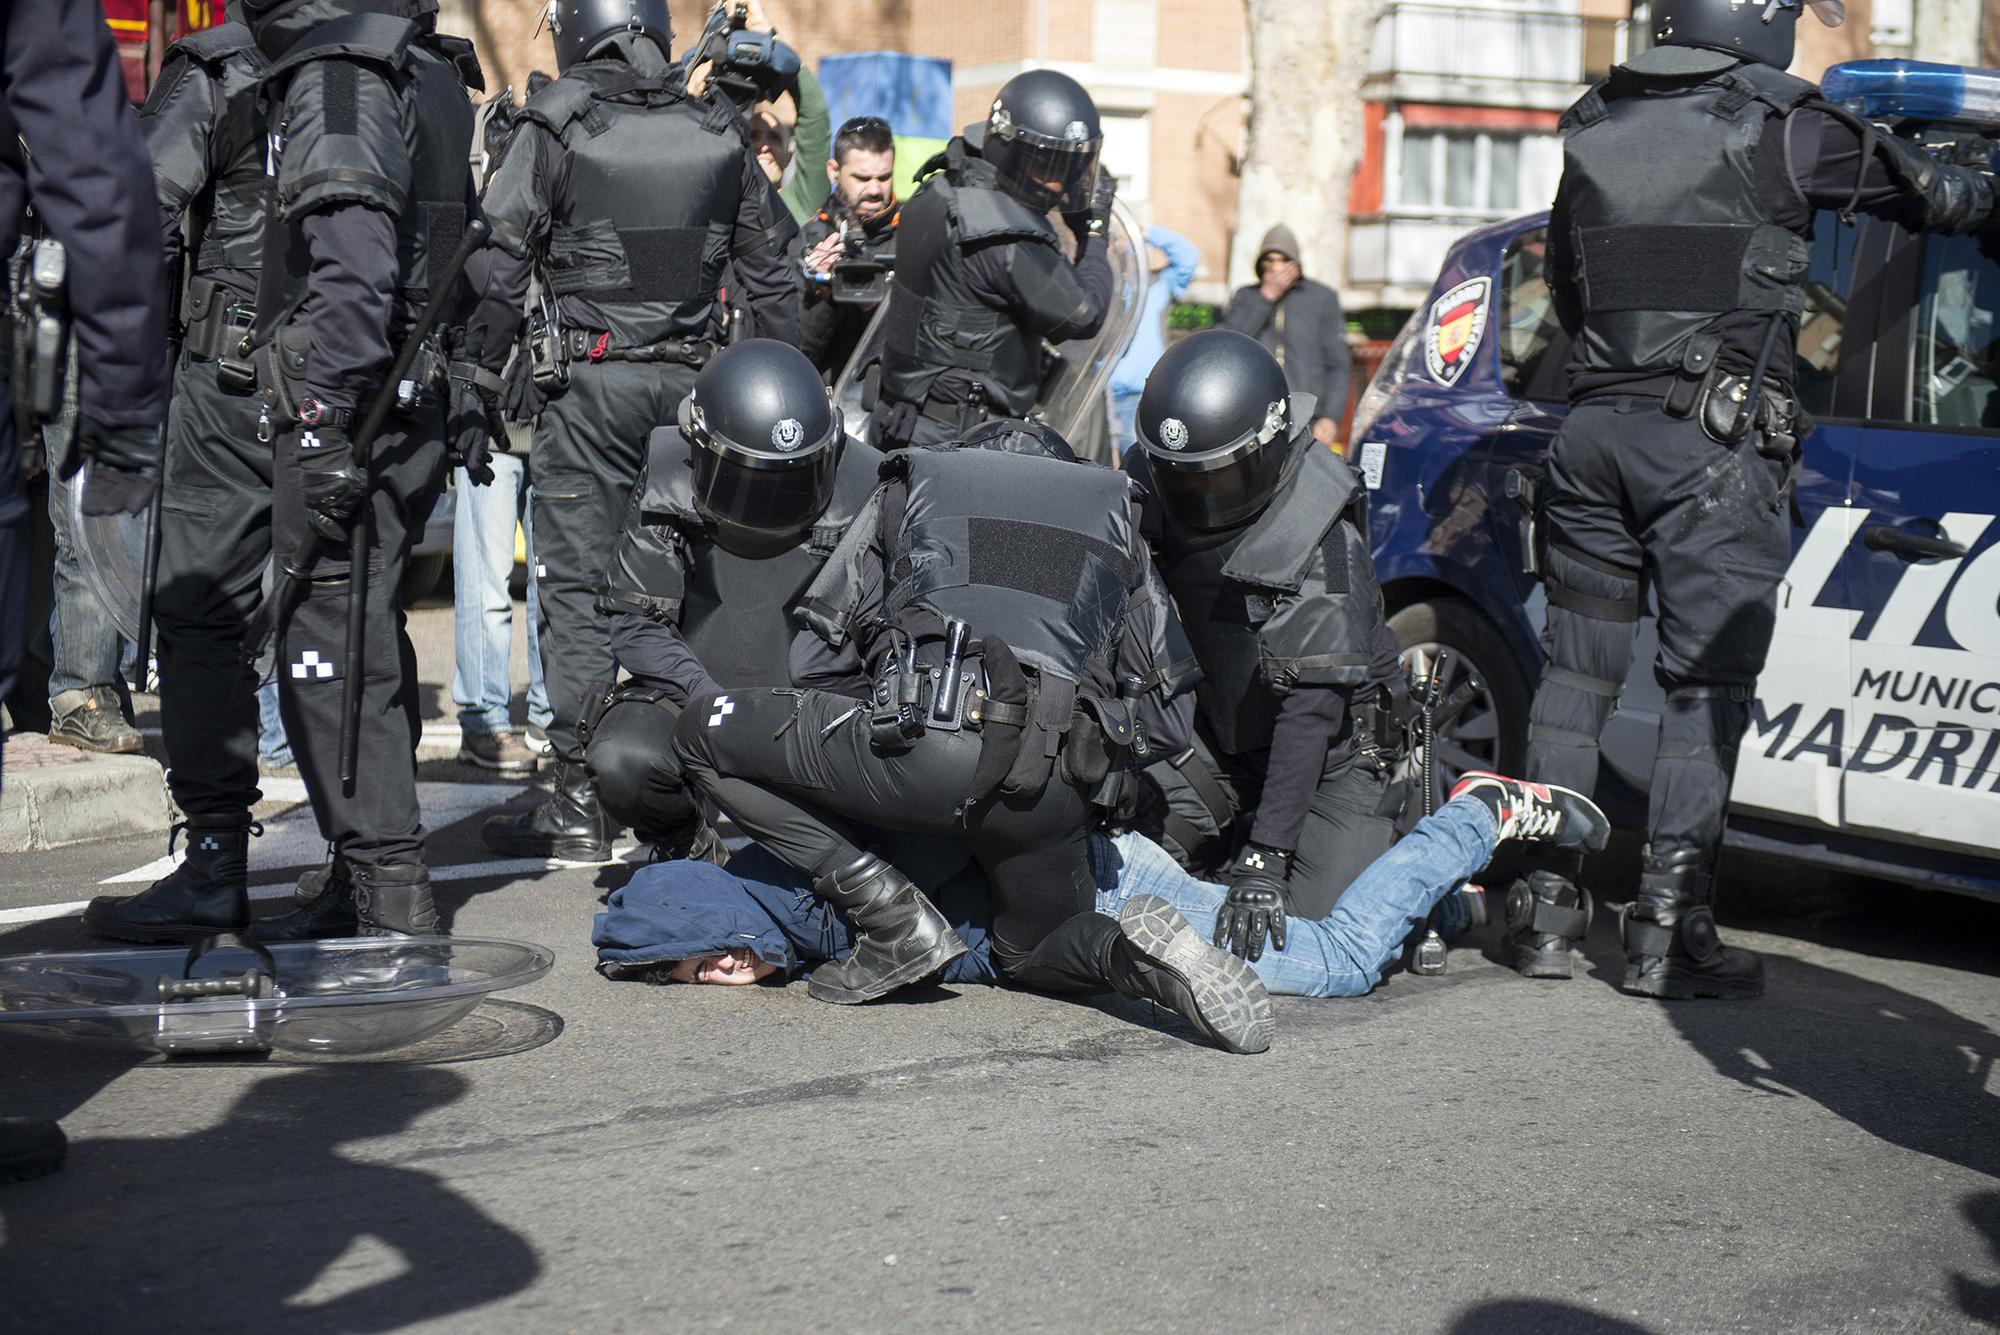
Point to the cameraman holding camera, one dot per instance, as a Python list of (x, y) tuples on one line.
[(848, 248)]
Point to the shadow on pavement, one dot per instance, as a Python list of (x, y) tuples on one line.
[(247, 1225), (1980, 1301), (1535, 1316), (1905, 1070)]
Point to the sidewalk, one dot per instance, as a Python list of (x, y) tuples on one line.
[(55, 795)]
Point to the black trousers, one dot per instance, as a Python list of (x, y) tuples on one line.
[(796, 771), (1349, 822), (590, 444), (228, 501), (1639, 499), (631, 757)]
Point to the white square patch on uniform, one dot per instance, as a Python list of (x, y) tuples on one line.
[(311, 665), (724, 707), (1374, 454)]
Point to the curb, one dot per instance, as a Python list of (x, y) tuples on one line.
[(49, 800)]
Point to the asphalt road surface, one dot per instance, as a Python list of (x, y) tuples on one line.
[(1467, 1153)]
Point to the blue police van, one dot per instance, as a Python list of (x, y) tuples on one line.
[(1874, 744)]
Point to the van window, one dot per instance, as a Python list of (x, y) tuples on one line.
[(1528, 324), (1954, 360), (1822, 328)]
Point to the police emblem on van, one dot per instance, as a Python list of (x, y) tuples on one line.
[(1457, 323)]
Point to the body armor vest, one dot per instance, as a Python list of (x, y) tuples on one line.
[(1036, 551), (655, 177), (435, 119), (1263, 615), (1676, 226), (935, 321), (228, 224)]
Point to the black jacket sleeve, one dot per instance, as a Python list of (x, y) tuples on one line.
[(770, 280), (641, 593), (1897, 179), (1309, 720), (91, 181), (179, 121), (516, 205), (1042, 290)]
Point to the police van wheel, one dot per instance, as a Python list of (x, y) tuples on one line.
[(1492, 733), (421, 576)]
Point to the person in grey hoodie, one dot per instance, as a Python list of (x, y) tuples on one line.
[(1301, 322)]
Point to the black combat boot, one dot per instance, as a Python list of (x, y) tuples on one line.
[(208, 893), (695, 841), (322, 906), (1547, 914), (1158, 957), (1671, 946), (394, 901), (899, 938), (570, 825)]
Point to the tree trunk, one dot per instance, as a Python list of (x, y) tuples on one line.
[(1307, 59)]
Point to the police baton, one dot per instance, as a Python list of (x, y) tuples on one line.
[(278, 608)]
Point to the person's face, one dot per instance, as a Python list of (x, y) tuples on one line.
[(736, 967), (770, 143), (865, 182)]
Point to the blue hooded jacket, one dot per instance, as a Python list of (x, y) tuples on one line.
[(681, 910)]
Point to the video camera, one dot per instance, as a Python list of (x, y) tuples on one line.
[(859, 277), (750, 67)]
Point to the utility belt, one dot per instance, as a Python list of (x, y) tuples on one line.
[(281, 365), (1027, 721), (1701, 390), (218, 330), (598, 345)]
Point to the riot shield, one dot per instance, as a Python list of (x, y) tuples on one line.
[(112, 551), (1073, 393)]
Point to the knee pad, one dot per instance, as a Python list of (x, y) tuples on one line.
[(1704, 724), (1546, 903), (1589, 650)]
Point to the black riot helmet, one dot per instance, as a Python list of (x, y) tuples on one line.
[(1759, 30), (278, 24), (767, 440), (1217, 423), (578, 26), (1043, 138)]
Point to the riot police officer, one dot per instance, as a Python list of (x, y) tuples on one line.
[(364, 214), (631, 195), (1261, 535), (981, 277), (1678, 251), (739, 506), (994, 602), (91, 188)]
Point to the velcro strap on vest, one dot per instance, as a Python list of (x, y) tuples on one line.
[(906, 321), (1561, 676), (1649, 267), (661, 264), (1731, 103), (1588, 109)]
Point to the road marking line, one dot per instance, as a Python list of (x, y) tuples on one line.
[(461, 871)]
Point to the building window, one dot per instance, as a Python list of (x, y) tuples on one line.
[(1460, 171), (1128, 151)]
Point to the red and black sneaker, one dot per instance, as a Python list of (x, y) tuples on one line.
[(1539, 813)]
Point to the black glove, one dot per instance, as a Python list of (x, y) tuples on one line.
[(474, 424), (1255, 904), (333, 485), (125, 466), (1101, 199)]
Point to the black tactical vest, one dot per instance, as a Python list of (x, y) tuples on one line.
[(654, 180), (735, 612), (1264, 615), (1679, 222), (935, 321), (434, 119), (1036, 551), (226, 223)]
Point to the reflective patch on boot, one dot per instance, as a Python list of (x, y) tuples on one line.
[(724, 707)]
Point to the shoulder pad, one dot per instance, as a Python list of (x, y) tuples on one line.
[(669, 497), (458, 51), (854, 481), (381, 38), (985, 214), (561, 102), (1773, 87), (1280, 545), (1586, 110), (212, 46)]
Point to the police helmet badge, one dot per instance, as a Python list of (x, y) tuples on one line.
[(1173, 434), (788, 435), (1076, 132)]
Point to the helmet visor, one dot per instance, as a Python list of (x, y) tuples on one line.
[(1221, 491), (1045, 172), (764, 502)]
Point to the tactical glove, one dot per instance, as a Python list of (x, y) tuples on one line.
[(475, 422), (333, 484), (124, 466), (1255, 905), (1101, 199)]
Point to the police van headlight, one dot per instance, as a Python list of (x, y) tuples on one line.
[(1388, 377), (1916, 90)]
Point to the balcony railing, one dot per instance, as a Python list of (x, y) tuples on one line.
[(1511, 45)]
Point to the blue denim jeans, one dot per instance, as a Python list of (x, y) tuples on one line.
[(1344, 953), (1124, 420), (482, 559), (87, 647), (274, 749)]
